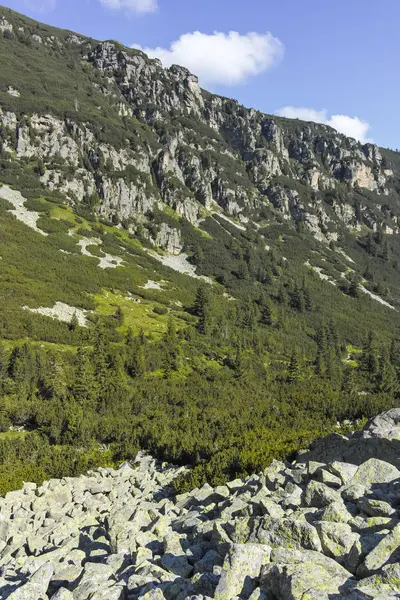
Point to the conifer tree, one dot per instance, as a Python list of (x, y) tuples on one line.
[(268, 312), (73, 427), (171, 350), (321, 339), (201, 308), (119, 316), (349, 382), (249, 317), (243, 271), (297, 299), (85, 388), (319, 363), (370, 246), (282, 296), (198, 256), (55, 382), (238, 363), (3, 367), (4, 420), (369, 358), (354, 288), (74, 323), (333, 338), (394, 352), (294, 372), (100, 357), (22, 369), (386, 380)]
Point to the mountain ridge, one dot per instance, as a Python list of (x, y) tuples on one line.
[(180, 274)]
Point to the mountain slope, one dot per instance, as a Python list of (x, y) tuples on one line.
[(179, 272)]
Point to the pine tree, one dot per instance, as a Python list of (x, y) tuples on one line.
[(171, 350), (74, 323), (249, 317), (370, 246), (119, 316), (55, 382), (73, 427), (85, 388), (4, 420), (238, 363), (201, 308), (138, 367), (369, 358), (386, 252), (333, 368), (282, 296), (40, 168), (319, 363), (386, 379), (3, 367), (307, 300), (354, 288), (297, 299), (243, 271), (294, 372), (349, 383), (268, 312), (142, 337), (198, 256), (22, 369), (394, 352), (322, 339), (100, 357), (333, 338)]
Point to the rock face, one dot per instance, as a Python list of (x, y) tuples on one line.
[(380, 439), (191, 150), (302, 531)]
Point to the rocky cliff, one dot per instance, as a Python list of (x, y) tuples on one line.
[(304, 530), (174, 144)]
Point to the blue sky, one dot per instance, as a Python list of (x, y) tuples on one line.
[(324, 60)]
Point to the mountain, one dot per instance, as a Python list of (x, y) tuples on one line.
[(179, 273), (315, 530)]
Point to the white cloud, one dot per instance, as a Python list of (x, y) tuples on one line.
[(40, 6), (351, 126), (132, 6), (221, 58)]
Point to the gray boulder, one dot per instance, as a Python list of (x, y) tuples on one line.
[(381, 554), (379, 439), (303, 575), (242, 566), (319, 495), (36, 587)]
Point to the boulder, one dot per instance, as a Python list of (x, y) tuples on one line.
[(336, 512), (375, 508), (337, 539), (36, 587), (241, 569), (380, 439), (300, 575), (62, 594), (319, 495), (381, 553), (374, 472)]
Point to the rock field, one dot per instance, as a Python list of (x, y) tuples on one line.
[(308, 530)]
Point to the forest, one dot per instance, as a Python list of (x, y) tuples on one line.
[(209, 395)]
